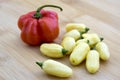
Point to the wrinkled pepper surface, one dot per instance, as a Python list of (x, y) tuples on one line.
[(39, 26)]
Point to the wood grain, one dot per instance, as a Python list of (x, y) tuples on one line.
[(17, 60)]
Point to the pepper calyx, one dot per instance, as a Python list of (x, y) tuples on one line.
[(64, 51), (40, 64), (38, 15)]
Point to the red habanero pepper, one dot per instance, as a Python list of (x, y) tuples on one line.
[(39, 26)]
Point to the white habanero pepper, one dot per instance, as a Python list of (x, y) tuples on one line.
[(52, 50), (80, 27), (103, 50), (92, 61), (92, 38), (82, 40), (55, 68), (73, 33), (68, 44), (79, 53)]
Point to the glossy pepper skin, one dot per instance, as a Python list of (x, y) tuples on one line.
[(39, 26)]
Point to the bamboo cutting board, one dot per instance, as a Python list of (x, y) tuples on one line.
[(17, 60)]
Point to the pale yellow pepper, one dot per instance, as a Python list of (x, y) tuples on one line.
[(79, 53), (52, 50), (68, 44), (93, 39), (82, 40), (92, 61), (102, 48), (80, 27), (73, 33), (55, 68)]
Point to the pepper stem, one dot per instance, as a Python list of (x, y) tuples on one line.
[(87, 29), (88, 42), (101, 38), (39, 15), (64, 51), (81, 33), (40, 64)]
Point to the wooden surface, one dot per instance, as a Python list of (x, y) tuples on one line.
[(17, 60)]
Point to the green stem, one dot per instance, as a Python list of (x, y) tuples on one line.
[(101, 38), (81, 33), (39, 15), (88, 42), (40, 64), (64, 51), (86, 29)]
